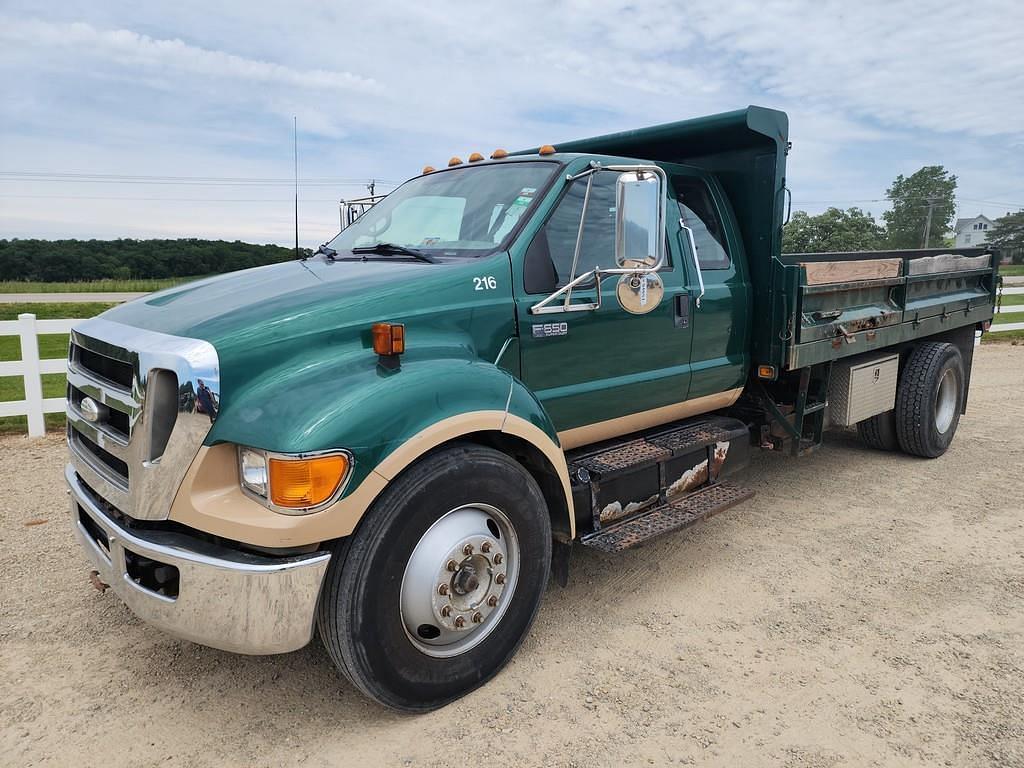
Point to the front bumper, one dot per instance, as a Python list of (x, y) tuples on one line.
[(226, 599)]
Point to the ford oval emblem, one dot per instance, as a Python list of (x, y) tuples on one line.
[(90, 409)]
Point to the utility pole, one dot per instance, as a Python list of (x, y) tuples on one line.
[(295, 151), (928, 220), (371, 185)]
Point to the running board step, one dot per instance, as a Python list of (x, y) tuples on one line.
[(668, 517)]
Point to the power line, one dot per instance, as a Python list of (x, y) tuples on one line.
[(153, 177), (275, 201)]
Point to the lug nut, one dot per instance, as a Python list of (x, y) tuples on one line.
[(442, 589), (478, 617), (492, 600), (452, 566), (460, 622), (485, 547), (468, 549), (446, 610), (499, 579), (498, 558)]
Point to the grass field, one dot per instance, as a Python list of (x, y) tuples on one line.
[(1013, 270), (1013, 300), (50, 346), (96, 286)]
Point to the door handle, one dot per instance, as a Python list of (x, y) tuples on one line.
[(696, 263)]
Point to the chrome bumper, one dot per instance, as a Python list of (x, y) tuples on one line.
[(225, 599)]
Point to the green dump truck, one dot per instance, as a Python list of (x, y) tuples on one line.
[(397, 440)]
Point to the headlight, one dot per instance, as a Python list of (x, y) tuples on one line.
[(293, 483), (253, 466)]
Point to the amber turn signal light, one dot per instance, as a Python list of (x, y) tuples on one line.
[(301, 483), (388, 338), (766, 371)]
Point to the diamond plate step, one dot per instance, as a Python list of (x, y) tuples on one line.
[(668, 517), (648, 450)]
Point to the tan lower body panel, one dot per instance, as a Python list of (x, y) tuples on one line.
[(211, 500), (605, 430)]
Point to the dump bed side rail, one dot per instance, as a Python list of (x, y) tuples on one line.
[(841, 304)]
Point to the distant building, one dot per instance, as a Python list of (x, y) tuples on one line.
[(970, 233)]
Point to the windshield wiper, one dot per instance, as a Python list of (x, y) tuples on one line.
[(394, 248), (327, 251)]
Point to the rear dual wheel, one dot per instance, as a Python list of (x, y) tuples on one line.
[(438, 587), (929, 400)]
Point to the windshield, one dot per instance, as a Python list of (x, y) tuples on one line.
[(465, 211)]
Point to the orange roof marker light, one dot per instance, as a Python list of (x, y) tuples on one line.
[(428, 169), (547, 149), (455, 161), (476, 157), (498, 154)]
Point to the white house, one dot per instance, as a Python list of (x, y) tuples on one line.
[(970, 233)]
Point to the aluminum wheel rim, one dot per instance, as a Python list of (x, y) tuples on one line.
[(459, 580), (945, 401)]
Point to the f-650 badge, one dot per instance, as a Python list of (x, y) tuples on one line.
[(544, 330)]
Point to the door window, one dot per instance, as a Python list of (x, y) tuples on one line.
[(549, 258), (698, 211)]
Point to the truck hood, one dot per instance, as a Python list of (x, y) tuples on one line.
[(296, 315), (219, 308)]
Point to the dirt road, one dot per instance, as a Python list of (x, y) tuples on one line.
[(864, 609)]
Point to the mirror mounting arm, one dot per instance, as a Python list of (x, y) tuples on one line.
[(579, 240)]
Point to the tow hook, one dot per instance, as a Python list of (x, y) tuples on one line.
[(94, 579)]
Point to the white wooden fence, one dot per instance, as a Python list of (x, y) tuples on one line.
[(31, 369)]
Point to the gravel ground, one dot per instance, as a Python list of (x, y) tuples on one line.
[(863, 609)]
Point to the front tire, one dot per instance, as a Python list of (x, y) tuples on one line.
[(404, 625), (929, 399)]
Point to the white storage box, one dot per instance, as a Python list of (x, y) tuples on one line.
[(860, 388)]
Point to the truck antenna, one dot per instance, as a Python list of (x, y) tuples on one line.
[(295, 153)]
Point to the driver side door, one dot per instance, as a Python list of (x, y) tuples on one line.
[(604, 372)]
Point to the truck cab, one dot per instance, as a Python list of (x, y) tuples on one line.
[(397, 440)]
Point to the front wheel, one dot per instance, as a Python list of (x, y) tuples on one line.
[(435, 591), (929, 398)]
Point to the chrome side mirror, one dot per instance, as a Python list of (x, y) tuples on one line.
[(640, 199), (639, 220)]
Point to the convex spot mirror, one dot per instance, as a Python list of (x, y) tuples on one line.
[(639, 227), (640, 292)]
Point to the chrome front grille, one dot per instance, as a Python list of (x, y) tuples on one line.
[(140, 404)]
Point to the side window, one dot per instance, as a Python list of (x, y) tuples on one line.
[(698, 211), (549, 258)]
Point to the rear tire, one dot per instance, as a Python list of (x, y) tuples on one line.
[(879, 432), (929, 399), (381, 610)]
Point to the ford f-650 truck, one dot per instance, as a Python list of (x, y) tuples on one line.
[(397, 440)]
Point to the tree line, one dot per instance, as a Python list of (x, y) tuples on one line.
[(126, 259), (922, 213)]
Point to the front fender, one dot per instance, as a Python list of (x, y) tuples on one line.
[(387, 419)]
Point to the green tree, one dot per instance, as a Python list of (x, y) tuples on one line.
[(75, 260), (931, 187), (1007, 235), (833, 230)]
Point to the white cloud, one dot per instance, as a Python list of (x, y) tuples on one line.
[(131, 49), (873, 89)]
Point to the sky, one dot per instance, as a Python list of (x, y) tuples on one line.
[(134, 119)]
